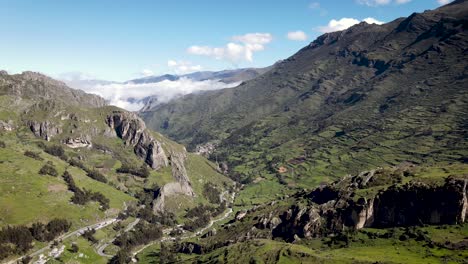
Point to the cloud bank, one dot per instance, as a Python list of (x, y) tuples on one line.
[(129, 95), (241, 48), (344, 23)]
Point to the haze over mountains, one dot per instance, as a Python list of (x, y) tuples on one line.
[(147, 92)]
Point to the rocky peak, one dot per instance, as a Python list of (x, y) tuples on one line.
[(37, 86)]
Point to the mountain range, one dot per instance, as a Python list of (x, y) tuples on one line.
[(352, 150)]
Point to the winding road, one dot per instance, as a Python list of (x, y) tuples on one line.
[(198, 233), (77, 232), (100, 248)]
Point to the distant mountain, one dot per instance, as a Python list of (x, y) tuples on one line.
[(226, 76), (367, 96), (146, 93)]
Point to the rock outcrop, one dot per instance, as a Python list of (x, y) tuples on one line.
[(78, 142), (337, 207), (45, 130), (7, 126), (35, 86), (129, 127), (181, 185)]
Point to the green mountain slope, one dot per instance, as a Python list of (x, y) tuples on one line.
[(351, 100), (65, 155)]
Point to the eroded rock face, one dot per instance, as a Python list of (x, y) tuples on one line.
[(334, 208), (132, 130), (45, 130)]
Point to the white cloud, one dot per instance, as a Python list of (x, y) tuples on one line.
[(443, 2), (147, 72), (129, 95), (182, 67), (344, 23), (297, 35), (242, 47), (371, 20), (381, 2)]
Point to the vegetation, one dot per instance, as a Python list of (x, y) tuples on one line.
[(48, 169), (211, 193), (18, 239), (89, 235), (56, 150), (142, 171), (34, 155), (96, 175), (84, 196)]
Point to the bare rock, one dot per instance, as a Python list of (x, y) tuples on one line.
[(45, 130), (129, 127)]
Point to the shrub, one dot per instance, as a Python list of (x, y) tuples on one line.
[(84, 196), (34, 155), (74, 248), (77, 163), (89, 235), (199, 222), (96, 175), (142, 234), (142, 171), (56, 150), (48, 169), (211, 193)]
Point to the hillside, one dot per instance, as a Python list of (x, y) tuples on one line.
[(368, 96), (65, 155)]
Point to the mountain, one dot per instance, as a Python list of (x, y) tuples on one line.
[(353, 150), (225, 76), (68, 159), (34, 86), (371, 95), (147, 92)]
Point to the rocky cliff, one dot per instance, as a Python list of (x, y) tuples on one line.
[(45, 130), (375, 199), (132, 130)]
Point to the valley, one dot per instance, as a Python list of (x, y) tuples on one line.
[(352, 150)]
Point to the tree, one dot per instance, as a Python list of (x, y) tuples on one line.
[(48, 169), (74, 248)]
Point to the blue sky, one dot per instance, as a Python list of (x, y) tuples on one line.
[(120, 40)]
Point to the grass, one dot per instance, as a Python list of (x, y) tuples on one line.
[(361, 249), (28, 197)]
